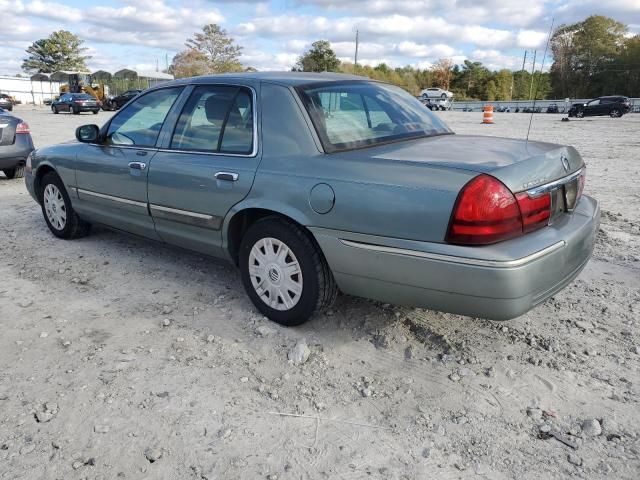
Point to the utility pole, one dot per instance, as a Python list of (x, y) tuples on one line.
[(355, 60), (533, 73)]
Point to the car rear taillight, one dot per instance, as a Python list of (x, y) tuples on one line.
[(582, 179), (485, 212), (535, 211), (22, 127)]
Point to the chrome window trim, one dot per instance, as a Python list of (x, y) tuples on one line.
[(534, 192), (476, 262), (111, 197), (254, 101)]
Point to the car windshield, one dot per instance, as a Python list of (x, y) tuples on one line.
[(356, 114)]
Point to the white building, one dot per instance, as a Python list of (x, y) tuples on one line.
[(33, 90)]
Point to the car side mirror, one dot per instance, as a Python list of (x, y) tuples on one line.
[(88, 133)]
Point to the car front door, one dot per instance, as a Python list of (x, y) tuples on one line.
[(593, 108), (205, 166), (65, 103), (111, 176)]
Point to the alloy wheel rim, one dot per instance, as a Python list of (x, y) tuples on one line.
[(275, 274), (55, 207)]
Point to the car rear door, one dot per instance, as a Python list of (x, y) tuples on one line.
[(112, 176), (206, 165)]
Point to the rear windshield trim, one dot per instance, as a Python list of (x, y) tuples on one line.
[(330, 147)]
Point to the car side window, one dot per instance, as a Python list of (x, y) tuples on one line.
[(217, 119), (593, 103), (140, 122)]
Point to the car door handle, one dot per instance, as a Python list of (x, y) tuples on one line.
[(228, 176), (137, 165), (141, 153)]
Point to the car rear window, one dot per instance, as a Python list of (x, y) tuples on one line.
[(357, 114)]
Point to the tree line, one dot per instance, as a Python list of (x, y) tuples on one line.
[(594, 57)]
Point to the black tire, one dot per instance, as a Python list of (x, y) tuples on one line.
[(443, 96), (319, 289), (74, 226), (17, 172), (579, 114), (75, 111), (95, 112), (54, 109), (615, 113)]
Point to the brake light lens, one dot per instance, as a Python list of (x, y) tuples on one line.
[(22, 127), (486, 212), (535, 211)]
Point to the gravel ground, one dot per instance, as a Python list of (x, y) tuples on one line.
[(126, 359)]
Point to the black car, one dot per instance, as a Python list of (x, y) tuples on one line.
[(615, 106), (75, 103), (117, 102), (553, 108), (6, 102), (15, 144)]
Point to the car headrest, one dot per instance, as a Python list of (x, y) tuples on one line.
[(216, 107)]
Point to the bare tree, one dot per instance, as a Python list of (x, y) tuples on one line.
[(442, 72)]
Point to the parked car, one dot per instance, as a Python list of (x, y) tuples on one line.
[(503, 109), (116, 103), (362, 190), (553, 108), (15, 144), (75, 103), (436, 104), (6, 102), (436, 93), (615, 106)]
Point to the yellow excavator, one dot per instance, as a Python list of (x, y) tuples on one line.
[(96, 90)]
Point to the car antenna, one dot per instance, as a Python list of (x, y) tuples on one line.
[(535, 94)]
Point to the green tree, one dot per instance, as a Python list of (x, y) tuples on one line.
[(319, 58), (189, 63), (62, 50), (583, 53), (209, 51)]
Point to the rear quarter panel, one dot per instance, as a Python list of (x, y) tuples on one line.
[(372, 196)]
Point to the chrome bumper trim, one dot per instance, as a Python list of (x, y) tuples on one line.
[(476, 262)]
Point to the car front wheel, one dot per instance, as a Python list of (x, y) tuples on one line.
[(60, 216), (579, 114), (54, 109), (284, 271), (615, 113), (17, 172)]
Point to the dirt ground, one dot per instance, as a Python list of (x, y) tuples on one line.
[(121, 358)]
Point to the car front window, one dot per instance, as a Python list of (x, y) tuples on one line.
[(356, 114), (140, 122)]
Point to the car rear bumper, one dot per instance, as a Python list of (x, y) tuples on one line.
[(497, 282), (17, 153)]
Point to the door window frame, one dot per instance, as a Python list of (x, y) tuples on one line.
[(106, 126), (174, 116)]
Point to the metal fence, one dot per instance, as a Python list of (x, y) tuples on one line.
[(520, 105)]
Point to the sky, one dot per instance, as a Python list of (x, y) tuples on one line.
[(143, 34)]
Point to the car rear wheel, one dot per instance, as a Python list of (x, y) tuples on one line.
[(75, 111), (95, 112), (615, 113), (60, 216), (17, 172), (54, 109), (284, 271)]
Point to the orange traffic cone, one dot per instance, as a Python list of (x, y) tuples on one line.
[(487, 116)]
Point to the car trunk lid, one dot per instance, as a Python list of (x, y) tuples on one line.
[(520, 165)]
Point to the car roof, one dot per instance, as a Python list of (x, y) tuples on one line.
[(285, 78), (613, 96)]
